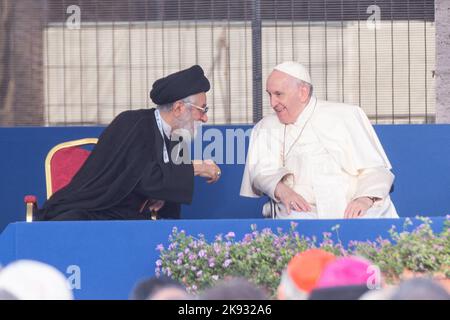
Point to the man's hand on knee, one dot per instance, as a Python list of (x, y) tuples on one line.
[(291, 199)]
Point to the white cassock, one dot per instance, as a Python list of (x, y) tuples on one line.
[(334, 160)]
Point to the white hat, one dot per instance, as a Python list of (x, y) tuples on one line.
[(295, 70), (33, 280)]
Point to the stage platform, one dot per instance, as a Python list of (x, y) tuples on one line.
[(105, 259)]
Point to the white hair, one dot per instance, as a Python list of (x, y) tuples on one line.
[(168, 106), (34, 280)]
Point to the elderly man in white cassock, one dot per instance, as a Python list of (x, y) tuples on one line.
[(315, 159)]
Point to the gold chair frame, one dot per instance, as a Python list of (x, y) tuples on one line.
[(32, 206)]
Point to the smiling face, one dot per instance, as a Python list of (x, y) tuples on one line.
[(287, 96)]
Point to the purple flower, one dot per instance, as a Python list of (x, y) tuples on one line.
[(216, 248), (180, 255), (226, 263), (294, 224), (173, 246), (159, 263), (186, 251), (247, 238), (326, 243), (199, 274), (230, 235), (168, 272), (193, 268), (353, 243), (202, 253), (192, 257), (219, 237), (160, 247), (178, 262), (336, 227)]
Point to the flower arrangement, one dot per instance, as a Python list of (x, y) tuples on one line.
[(261, 256)]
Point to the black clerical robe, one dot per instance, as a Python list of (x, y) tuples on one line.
[(125, 168)]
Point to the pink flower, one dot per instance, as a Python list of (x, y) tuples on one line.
[(230, 235), (227, 263)]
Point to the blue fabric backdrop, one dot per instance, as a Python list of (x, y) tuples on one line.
[(420, 156)]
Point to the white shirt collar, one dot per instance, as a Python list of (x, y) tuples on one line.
[(166, 128)]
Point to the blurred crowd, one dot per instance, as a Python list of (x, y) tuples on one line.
[(311, 275)]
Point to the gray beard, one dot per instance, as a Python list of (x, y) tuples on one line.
[(188, 130)]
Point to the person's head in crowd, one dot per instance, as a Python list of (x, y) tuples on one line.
[(346, 278), (420, 289), (234, 289), (302, 273), (33, 280), (383, 293), (5, 295), (158, 288)]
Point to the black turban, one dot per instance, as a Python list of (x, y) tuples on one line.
[(179, 85)]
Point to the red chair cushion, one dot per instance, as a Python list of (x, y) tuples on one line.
[(65, 163)]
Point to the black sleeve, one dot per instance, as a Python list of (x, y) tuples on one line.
[(170, 210), (168, 182)]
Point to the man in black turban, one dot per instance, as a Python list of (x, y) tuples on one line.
[(131, 171)]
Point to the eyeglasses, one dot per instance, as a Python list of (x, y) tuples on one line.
[(202, 110)]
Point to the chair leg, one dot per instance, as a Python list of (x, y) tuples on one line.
[(30, 211)]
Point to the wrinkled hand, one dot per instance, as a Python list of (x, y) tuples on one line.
[(207, 169), (358, 207), (156, 205), (291, 199)]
